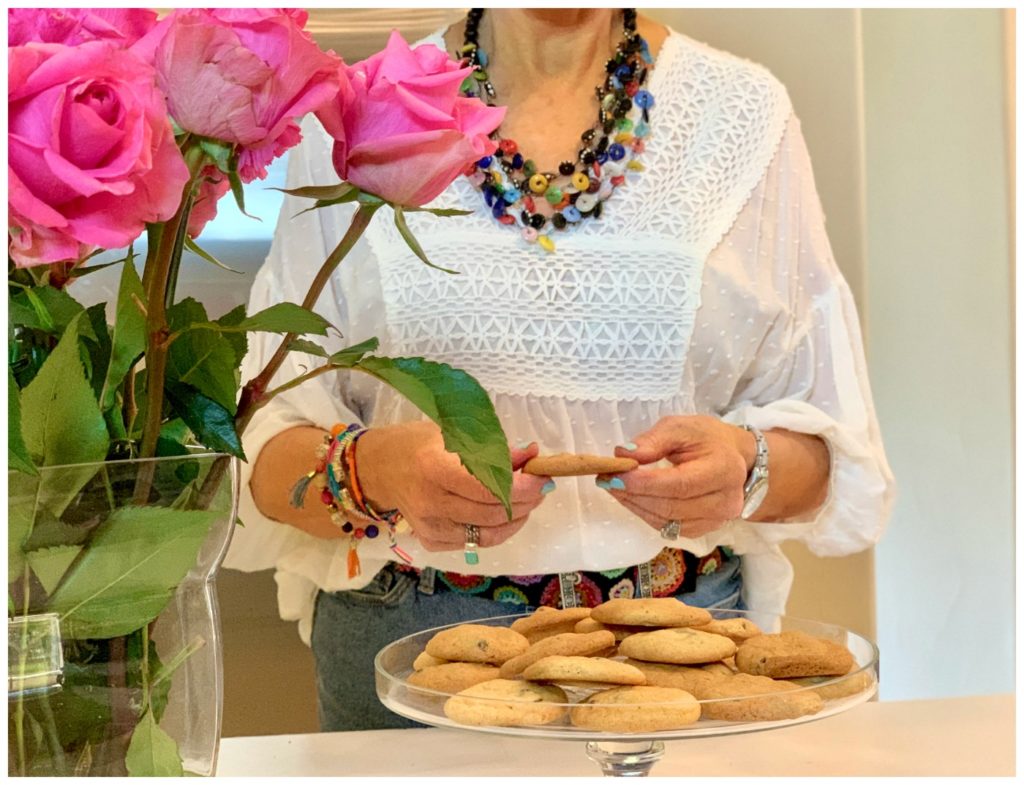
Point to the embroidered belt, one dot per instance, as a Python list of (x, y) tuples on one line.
[(672, 571)]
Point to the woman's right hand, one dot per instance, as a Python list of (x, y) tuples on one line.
[(406, 467)]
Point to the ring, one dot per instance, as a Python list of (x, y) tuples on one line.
[(670, 531), (472, 541)]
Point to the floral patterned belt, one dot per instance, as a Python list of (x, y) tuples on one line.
[(673, 571)]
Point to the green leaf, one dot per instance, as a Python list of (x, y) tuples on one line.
[(444, 212), (456, 402), (17, 453), (50, 564), (238, 340), (22, 501), (43, 319), (82, 707), (219, 152), (212, 424), (82, 270), (286, 318), (320, 192), (412, 242), (128, 341), (236, 186), (203, 359), (62, 423), (192, 246), (97, 352), (302, 345), (48, 531), (129, 570), (45, 308), (365, 197), (350, 355), (152, 752)]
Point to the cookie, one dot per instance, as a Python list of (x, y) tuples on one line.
[(566, 644), (572, 465), (620, 631), (772, 700), (636, 710), (829, 688), (650, 612), (424, 660), (721, 668), (577, 670), (505, 702), (792, 654), (477, 643), (681, 677), (453, 677), (677, 645), (736, 629), (545, 622)]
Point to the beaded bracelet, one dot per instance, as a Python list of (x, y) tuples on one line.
[(336, 478)]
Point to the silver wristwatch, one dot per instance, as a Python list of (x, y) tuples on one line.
[(756, 486)]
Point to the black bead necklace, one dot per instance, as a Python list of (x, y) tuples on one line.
[(511, 183)]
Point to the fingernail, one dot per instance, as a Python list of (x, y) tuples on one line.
[(548, 487), (522, 445), (602, 484), (616, 484), (629, 446)]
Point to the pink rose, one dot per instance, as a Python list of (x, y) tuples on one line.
[(72, 26), (402, 129), (241, 76), (213, 184), (91, 153)]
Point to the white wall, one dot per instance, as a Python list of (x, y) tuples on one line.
[(939, 346)]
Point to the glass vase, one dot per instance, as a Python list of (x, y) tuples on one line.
[(114, 647)]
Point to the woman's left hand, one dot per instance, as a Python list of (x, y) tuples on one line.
[(702, 490)]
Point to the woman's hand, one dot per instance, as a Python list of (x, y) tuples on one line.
[(406, 467), (702, 490)]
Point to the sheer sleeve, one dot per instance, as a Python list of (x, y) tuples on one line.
[(302, 240), (809, 374)]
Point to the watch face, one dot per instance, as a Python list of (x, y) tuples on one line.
[(755, 497)]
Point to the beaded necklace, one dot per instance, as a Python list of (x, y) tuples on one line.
[(511, 183)]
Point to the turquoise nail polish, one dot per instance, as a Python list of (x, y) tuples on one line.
[(548, 487), (629, 446), (602, 484), (616, 484)]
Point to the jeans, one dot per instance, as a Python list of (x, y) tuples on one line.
[(350, 627)]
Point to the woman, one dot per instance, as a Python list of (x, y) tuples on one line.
[(691, 316)]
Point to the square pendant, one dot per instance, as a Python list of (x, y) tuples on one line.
[(472, 557)]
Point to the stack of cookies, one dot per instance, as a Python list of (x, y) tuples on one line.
[(631, 666)]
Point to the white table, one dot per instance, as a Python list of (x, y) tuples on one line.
[(948, 737)]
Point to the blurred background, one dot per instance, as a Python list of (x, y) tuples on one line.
[(909, 117)]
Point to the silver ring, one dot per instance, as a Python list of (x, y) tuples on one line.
[(670, 531), (472, 541)]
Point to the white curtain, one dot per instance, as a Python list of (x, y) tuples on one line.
[(356, 33)]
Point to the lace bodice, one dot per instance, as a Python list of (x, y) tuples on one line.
[(707, 286)]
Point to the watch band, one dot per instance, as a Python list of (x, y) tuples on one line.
[(756, 486)]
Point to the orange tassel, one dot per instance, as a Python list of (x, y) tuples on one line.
[(353, 561)]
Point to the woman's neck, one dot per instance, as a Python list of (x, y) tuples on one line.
[(538, 43)]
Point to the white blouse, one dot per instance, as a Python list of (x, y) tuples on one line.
[(708, 286)]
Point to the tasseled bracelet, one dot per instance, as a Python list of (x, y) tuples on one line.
[(336, 478)]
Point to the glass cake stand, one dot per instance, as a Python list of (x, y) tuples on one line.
[(622, 753)]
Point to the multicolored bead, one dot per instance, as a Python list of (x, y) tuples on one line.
[(538, 183)]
